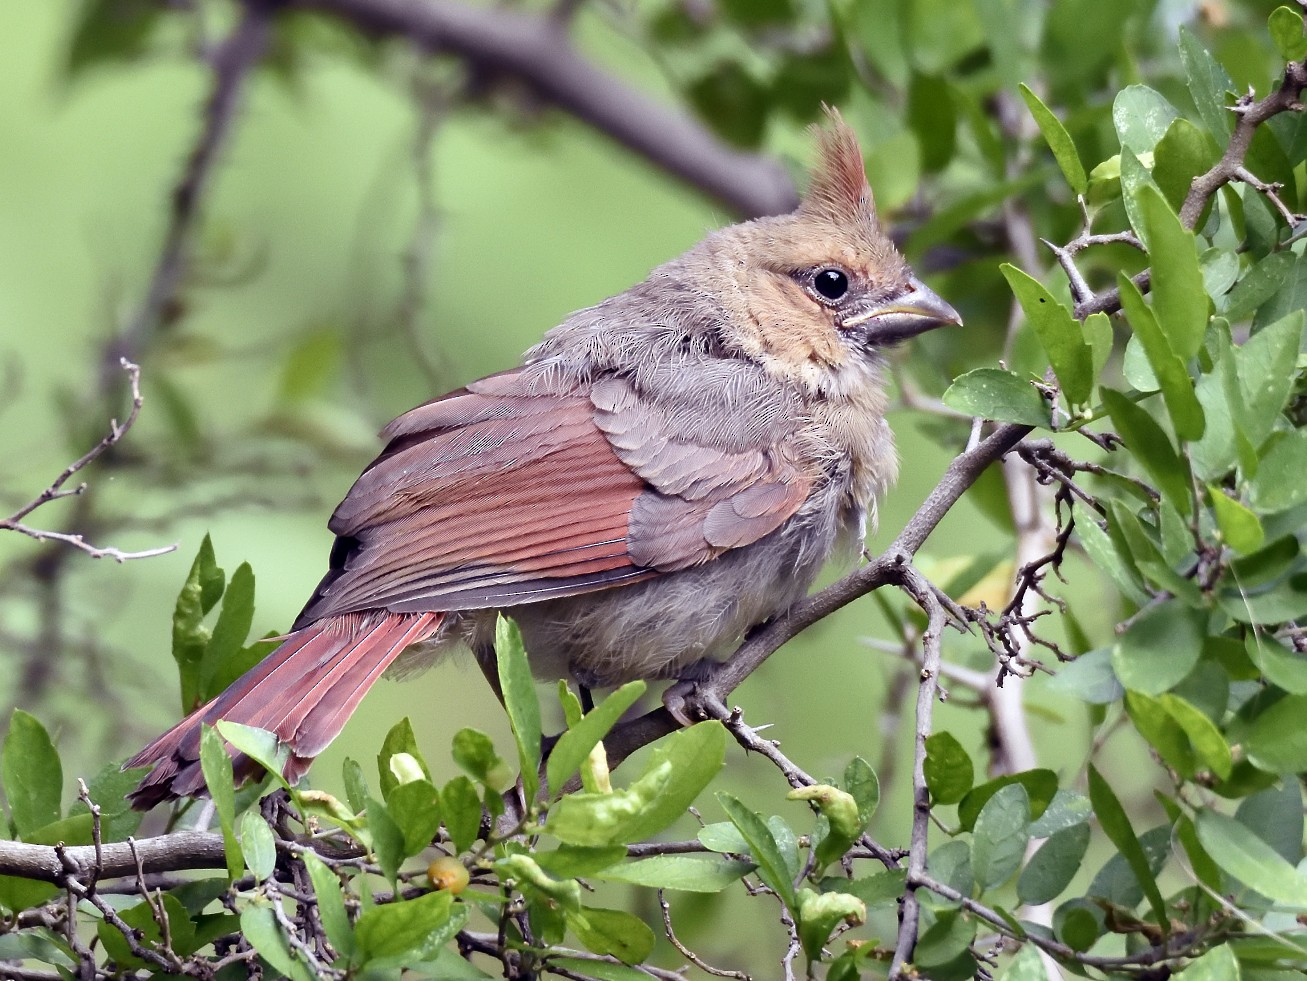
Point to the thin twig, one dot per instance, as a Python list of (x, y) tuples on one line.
[(57, 490)]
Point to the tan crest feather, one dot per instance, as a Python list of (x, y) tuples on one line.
[(839, 189)]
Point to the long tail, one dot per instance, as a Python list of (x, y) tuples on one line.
[(304, 692)]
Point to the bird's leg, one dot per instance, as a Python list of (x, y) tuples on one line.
[(686, 699), (587, 698)]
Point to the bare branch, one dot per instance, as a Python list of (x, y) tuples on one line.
[(915, 585), (536, 50), (231, 61)]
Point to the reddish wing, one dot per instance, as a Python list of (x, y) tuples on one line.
[(483, 499), (505, 493)]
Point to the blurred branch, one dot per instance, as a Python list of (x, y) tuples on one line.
[(57, 490), (536, 50), (232, 62)]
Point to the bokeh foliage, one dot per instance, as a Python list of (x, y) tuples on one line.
[(1159, 826)]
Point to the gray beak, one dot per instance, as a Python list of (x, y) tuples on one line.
[(897, 318)]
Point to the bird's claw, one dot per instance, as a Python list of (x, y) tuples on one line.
[(689, 704)]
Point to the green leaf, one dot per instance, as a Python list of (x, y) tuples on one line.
[(1218, 964), (1058, 332), (1058, 140), (407, 931), (400, 739), (1275, 815), (1181, 155), (1258, 285), (1281, 665), (1276, 741), (312, 366), (1159, 648), (1067, 809), (1026, 966), (263, 747), (1162, 732), (723, 837), (475, 754), (943, 942), (763, 849), (680, 766), (142, 918), (229, 633), (949, 770), (1208, 83), (863, 785), (932, 116), (387, 838), (1001, 832), (1116, 825), (843, 823), (1051, 869), (688, 873), (32, 774), (950, 864), (1141, 116), (1266, 369), (1003, 396), (259, 926), (612, 932), (1245, 856), (1168, 368), (820, 913), (1240, 528), (1089, 677), (461, 808), (190, 638), (1103, 552), (1208, 743), (1135, 176), (1278, 485), (415, 809), (1179, 297), (518, 687), (529, 876), (1040, 786), (1285, 25), (1078, 924), (571, 861), (258, 844), (599, 969), (217, 769), (576, 743), (331, 904), (732, 101), (1151, 447), (111, 31)]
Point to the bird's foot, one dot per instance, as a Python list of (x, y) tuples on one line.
[(689, 703)]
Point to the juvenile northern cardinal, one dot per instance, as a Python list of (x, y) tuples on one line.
[(664, 471)]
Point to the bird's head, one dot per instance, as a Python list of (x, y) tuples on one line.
[(823, 289)]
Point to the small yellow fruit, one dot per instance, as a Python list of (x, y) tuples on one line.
[(448, 873)]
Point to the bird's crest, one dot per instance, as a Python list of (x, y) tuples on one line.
[(839, 190)]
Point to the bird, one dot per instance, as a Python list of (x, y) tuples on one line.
[(664, 471)]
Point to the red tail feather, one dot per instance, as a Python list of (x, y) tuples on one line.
[(304, 692)]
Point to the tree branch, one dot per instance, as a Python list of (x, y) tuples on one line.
[(536, 50)]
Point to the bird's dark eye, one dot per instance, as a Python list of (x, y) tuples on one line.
[(831, 283)]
